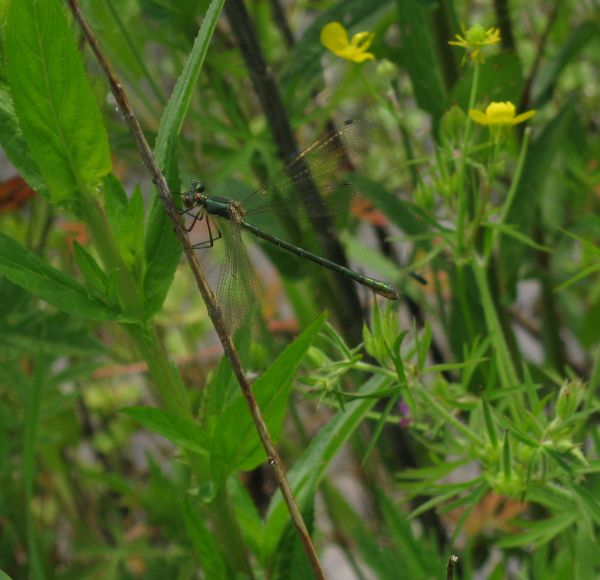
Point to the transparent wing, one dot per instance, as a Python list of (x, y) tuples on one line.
[(237, 290), (309, 178)]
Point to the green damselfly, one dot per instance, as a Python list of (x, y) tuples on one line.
[(288, 192)]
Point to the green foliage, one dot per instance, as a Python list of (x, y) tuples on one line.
[(463, 423), (58, 115), (23, 267)]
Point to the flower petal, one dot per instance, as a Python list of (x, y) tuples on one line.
[(362, 56), (362, 40), (335, 37), (479, 117), (523, 117)]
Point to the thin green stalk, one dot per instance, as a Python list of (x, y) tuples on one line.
[(483, 199), (506, 369), (449, 417), (462, 191), (163, 373), (375, 370), (510, 196), (462, 293), (229, 534)]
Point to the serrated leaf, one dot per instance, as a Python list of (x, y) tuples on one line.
[(57, 112), (14, 145), (29, 271)]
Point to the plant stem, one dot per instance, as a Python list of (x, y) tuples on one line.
[(506, 369), (462, 191), (510, 196), (164, 375)]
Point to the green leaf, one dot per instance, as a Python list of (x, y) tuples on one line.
[(311, 467), (246, 513), (31, 429), (548, 77), (126, 218), (57, 112), (519, 236), (179, 101), (162, 248), (366, 257), (538, 533), (290, 560), (29, 271), (524, 209), (235, 443), (432, 473), (585, 273), (183, 432), (29, 330), (203, 543), (418, 554), (90, 269), (162, 251), (14, 145), (419, 58), (403, 214)]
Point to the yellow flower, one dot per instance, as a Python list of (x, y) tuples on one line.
[(335, 38), (499, 114), (474, 38)]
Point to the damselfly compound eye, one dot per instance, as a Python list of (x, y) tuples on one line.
[(199, 187)]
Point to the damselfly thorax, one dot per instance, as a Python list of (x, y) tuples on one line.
[(200, 205)]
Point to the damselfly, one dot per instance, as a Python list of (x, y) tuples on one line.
[(289, 192)]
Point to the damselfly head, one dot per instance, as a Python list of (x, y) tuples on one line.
[(194, 196), (198, 187)]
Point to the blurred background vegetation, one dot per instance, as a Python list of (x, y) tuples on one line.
[(460, 419)]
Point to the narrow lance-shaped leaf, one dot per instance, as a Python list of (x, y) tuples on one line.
[(161, 247)]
